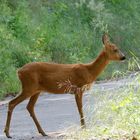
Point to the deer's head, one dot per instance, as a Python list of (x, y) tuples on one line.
[(111, 50)]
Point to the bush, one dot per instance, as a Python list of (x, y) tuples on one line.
[(65, 32)]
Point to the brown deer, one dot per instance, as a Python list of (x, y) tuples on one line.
[(40, 77)]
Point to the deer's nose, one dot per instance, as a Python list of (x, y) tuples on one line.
[(123, 58)]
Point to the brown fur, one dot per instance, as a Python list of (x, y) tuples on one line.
[(60, 78)]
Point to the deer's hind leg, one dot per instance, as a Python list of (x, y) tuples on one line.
[(11, 106), (30, 108)]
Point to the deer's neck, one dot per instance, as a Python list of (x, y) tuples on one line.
[(96, 67)]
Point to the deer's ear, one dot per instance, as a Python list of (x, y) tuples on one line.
[(105, 39)]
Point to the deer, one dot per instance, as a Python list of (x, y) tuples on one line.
[(38, 77)]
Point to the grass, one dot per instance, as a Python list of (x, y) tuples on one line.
[(114, 113)]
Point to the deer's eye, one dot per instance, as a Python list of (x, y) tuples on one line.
[(115, 50)]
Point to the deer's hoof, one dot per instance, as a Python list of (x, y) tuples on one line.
[(43, 133), (7, 133), (83, 126), (8, 136)]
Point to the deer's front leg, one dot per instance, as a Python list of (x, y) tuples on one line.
[(78, 98)]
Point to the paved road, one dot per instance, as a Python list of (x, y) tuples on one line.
[(56, 113)]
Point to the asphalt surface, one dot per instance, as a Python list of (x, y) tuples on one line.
[(56, 114)]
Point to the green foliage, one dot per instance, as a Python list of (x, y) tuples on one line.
[(65, 32)]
